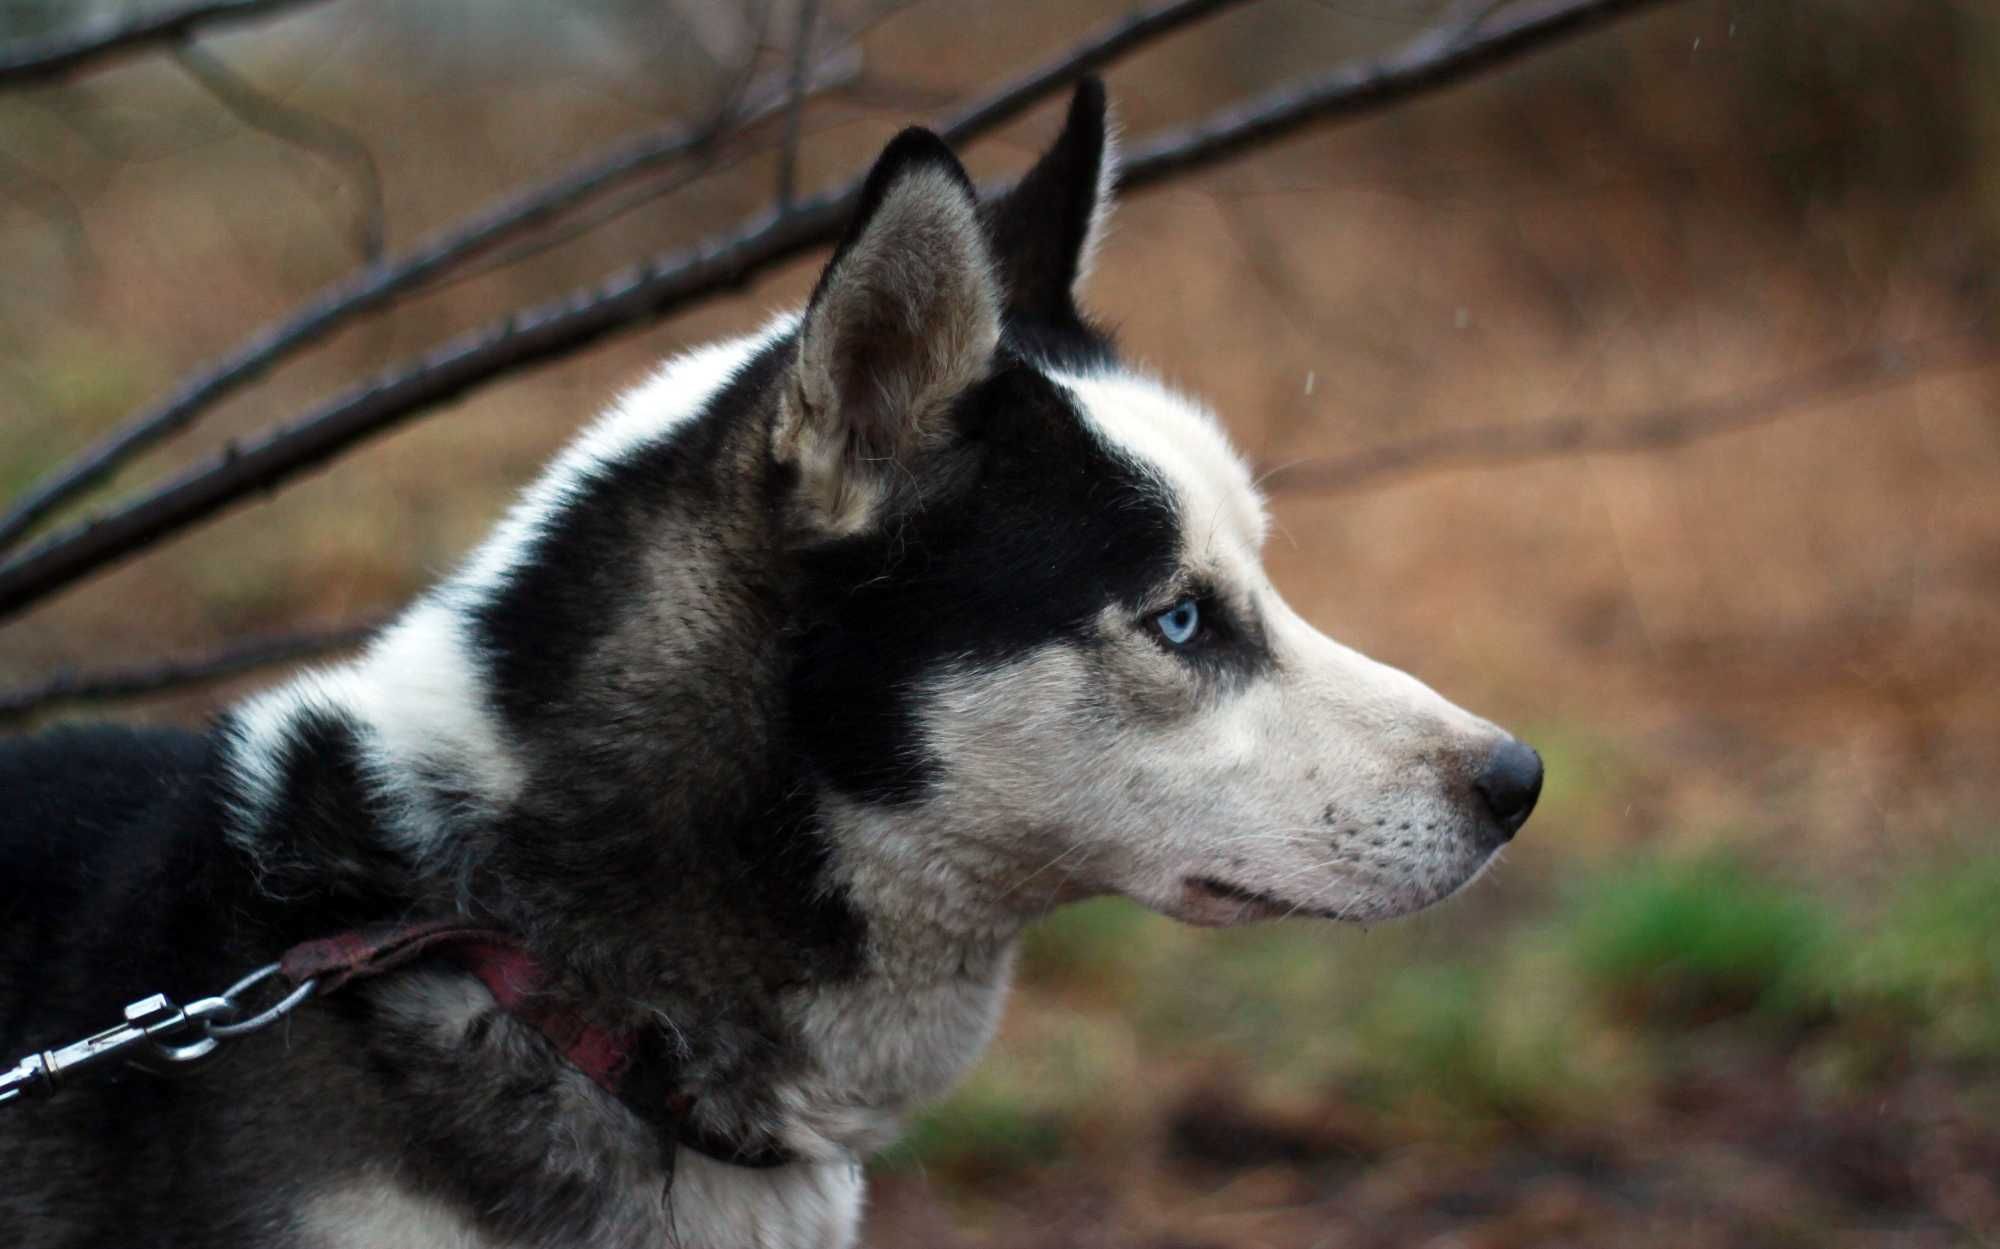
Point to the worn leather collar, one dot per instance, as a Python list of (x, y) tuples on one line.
[(634, 1067)]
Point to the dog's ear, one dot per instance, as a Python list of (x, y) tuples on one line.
[(905, 317), (1046, 230)]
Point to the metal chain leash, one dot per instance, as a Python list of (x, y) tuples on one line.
[(156, 1036)]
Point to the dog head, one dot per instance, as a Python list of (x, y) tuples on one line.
[(1039, 657)]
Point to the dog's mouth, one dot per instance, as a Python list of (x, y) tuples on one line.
[(1214, 903)]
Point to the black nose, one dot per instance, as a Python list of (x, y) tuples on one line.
[(1510, 784)]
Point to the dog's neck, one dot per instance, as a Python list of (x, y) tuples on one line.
[(621, 791), (818, 979)]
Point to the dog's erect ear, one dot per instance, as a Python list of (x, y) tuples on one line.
[(1046, 230), (905, 317)]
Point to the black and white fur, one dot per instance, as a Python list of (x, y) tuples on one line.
[(805, 678)]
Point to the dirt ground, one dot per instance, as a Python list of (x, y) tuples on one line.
[(1742, 1157)]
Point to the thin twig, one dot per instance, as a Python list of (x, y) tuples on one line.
[(385, 282), (62, 56), (667, 284), (292, 125), (1816, 390), (1088, 55), (108, 685), (375, 287), (610, 208), (1438, 58), (795, 106), (1846, 376), (378, 286)]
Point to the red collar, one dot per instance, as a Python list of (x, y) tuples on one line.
[(615, 1061)]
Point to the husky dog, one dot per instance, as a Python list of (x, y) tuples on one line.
[(826, 661)]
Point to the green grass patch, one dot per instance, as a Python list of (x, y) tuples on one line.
[(92, 379), (1105, 944), (1279, 1000), (983, 1131), (1026, 1106), (68, 386), (25, 457), (1931, 963), (1505, 1037), (1682, 943), (1547, 1010), (1430, 1037)]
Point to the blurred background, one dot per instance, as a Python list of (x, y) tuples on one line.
[(1738, 983)]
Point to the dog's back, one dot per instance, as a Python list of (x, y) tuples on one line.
[(85, 811), (105, 836)]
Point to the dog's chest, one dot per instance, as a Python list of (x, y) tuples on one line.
[(377, 1211), (713, 1206), (881, 1047)]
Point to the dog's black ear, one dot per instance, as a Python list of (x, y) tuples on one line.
[(1046, 230), (905, 317)]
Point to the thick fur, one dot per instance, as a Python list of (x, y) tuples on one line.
[(809, 675)]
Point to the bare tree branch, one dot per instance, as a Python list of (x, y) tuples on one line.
[(61, 56), (381, 284), (1856, 373), (1438, 58), (112, 684), (1813, 391), (666, 284), (1087, 56), (296, 126), (374, 288), (795, 107)]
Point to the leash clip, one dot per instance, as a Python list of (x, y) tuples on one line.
[(157, 1036), (153, 1019)]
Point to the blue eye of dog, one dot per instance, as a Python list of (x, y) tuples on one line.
[(1178, 623)]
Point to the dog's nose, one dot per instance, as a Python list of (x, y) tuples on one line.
[(1510, 783)]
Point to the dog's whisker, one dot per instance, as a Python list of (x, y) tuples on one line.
[(1067, 852)]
